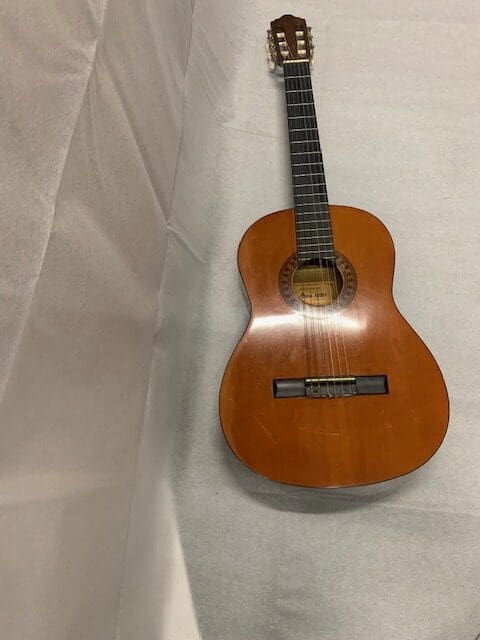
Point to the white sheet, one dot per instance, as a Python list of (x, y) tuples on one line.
[(123, 514)]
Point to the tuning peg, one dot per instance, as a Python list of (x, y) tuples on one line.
[(270, 58)]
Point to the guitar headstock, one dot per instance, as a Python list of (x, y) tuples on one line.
[(289, 40)]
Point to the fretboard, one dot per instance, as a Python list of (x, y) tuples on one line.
[(312, 213)]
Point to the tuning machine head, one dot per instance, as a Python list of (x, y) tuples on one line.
[(311, 46), (271, 51)]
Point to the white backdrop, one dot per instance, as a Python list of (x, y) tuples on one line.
[(138, 141)]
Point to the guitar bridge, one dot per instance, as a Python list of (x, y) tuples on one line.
[(330, 387)]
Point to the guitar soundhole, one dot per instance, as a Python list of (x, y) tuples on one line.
[(324, 287), (318, 285)]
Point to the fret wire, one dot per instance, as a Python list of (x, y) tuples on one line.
[(312, 195), (313, 204), (307, 220), (312, 213), (321, 236), (320, 248), (311, 223), (312, 184), (313, 236), (324, 220), (308, 213), (322, 233), (322, 244), (321, 222), (323, 225), (315, 242), (299, 104), (303, 175)]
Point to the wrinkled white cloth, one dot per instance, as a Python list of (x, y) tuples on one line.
[(138, 142)]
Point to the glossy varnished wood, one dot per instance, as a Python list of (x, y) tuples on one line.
[(329, 442)]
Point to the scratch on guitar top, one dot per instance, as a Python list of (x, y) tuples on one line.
[(265, 429)]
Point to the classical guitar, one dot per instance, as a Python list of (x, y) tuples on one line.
[(329, 385)]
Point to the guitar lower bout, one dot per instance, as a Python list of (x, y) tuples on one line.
[(329, 386)]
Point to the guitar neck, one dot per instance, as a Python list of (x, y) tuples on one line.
[(312, 214)]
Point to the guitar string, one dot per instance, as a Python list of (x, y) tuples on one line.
[(309, 349), (340, 326), (306, 287), (310, 141), (308, 328), (335, 323), (333, 312), (334, 284), (316, 341), (317, 320), (312, 320), (322, 315), (330, 317), (337, 326)]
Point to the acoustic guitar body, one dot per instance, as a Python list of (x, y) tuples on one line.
[(329, 385)]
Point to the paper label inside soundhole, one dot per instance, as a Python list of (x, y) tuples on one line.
[(321, 288)]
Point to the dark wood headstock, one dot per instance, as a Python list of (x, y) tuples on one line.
[(289, 40)]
